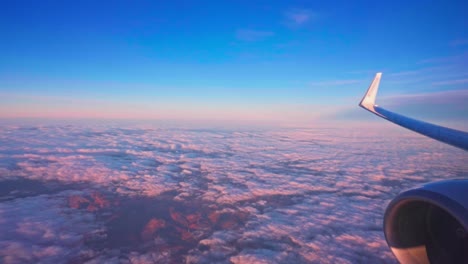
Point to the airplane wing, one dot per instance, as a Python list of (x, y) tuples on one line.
[(449, 136)]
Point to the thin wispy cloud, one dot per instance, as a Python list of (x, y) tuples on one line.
[(446, 59), (436, 107), (253, 35), (421, 75), (299, 16), (335, 82), (405, 73), (441, 107), (452, 82), (450, 96), (363, 71), (459, 42), (426, 76)]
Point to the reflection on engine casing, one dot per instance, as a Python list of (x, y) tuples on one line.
[(429, 224)]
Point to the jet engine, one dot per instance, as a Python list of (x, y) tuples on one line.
[(429, 224)]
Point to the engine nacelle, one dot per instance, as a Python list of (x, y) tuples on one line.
[(429, 224)]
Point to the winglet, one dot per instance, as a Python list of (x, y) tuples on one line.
[(447, 135), (368, 101)]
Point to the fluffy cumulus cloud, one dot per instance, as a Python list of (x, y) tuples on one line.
[(136, 194)]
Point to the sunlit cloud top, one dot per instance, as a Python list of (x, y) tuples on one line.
[(140, 193)]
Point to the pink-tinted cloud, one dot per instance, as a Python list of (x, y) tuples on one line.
[(150, 193)]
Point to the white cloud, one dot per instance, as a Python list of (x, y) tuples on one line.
[(110, 193)]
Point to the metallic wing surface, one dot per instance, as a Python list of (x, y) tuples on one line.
[(449, 136), (429, 223)]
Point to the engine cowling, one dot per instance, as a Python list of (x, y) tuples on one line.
[(429, 224)]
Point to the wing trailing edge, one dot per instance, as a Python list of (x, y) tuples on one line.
[(447, 135)]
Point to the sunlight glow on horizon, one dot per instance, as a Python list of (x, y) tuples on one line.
[(296, 62), (62, 108)]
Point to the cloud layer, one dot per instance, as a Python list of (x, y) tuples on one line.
[(144, 194)]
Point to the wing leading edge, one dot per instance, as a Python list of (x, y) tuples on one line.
[(449, 136)]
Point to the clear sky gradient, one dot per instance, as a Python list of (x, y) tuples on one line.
[(231, 60)]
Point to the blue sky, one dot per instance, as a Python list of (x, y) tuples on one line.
[(230, 60)]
